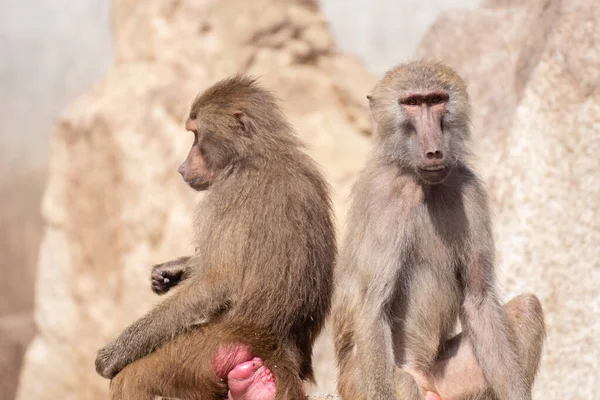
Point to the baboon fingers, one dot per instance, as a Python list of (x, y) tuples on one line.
[(162, 281)]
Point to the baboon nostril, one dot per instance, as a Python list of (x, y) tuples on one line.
[(435, 154)]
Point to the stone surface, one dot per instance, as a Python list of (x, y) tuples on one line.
[(16, 330), (532, 70), (114, 203), (383, 32)]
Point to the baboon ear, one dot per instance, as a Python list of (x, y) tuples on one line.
[(243, 121), (371, 101)]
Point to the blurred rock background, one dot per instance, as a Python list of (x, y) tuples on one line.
[(532, 73)]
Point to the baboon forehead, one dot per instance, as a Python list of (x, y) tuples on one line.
[(237, 92), (421, 76)]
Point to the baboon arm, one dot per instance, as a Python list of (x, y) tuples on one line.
[(195, 303), (485, 322), (373, 332), (374, 348)]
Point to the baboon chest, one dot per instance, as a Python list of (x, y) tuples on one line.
[(428, 290)]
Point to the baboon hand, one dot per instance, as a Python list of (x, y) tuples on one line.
[(108, 361), (164, 277)]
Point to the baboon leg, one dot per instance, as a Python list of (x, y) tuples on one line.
[(251, 380), (527, 325), (197, 366), (179, 369), (457, 374), (349, 380)]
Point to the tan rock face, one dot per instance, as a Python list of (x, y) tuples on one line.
[(114, 203), (16, 331), (535, 85)]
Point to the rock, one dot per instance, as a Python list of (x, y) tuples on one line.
[(115, 205), (16, 330), (532, 71)]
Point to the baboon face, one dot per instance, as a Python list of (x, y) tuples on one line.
[(424, 133), (422, 119), (205, 158)]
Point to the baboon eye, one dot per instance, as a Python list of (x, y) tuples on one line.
[(435, 99), (411, 102)]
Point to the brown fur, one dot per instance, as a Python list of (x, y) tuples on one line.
[(419, 253), (263, 269)]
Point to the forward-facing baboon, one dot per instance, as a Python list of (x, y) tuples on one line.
[(254, 296), (419, 253)]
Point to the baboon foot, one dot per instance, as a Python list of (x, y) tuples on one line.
[(251, 381)]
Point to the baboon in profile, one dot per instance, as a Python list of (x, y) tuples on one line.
[(249, 304), (419, 254)]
